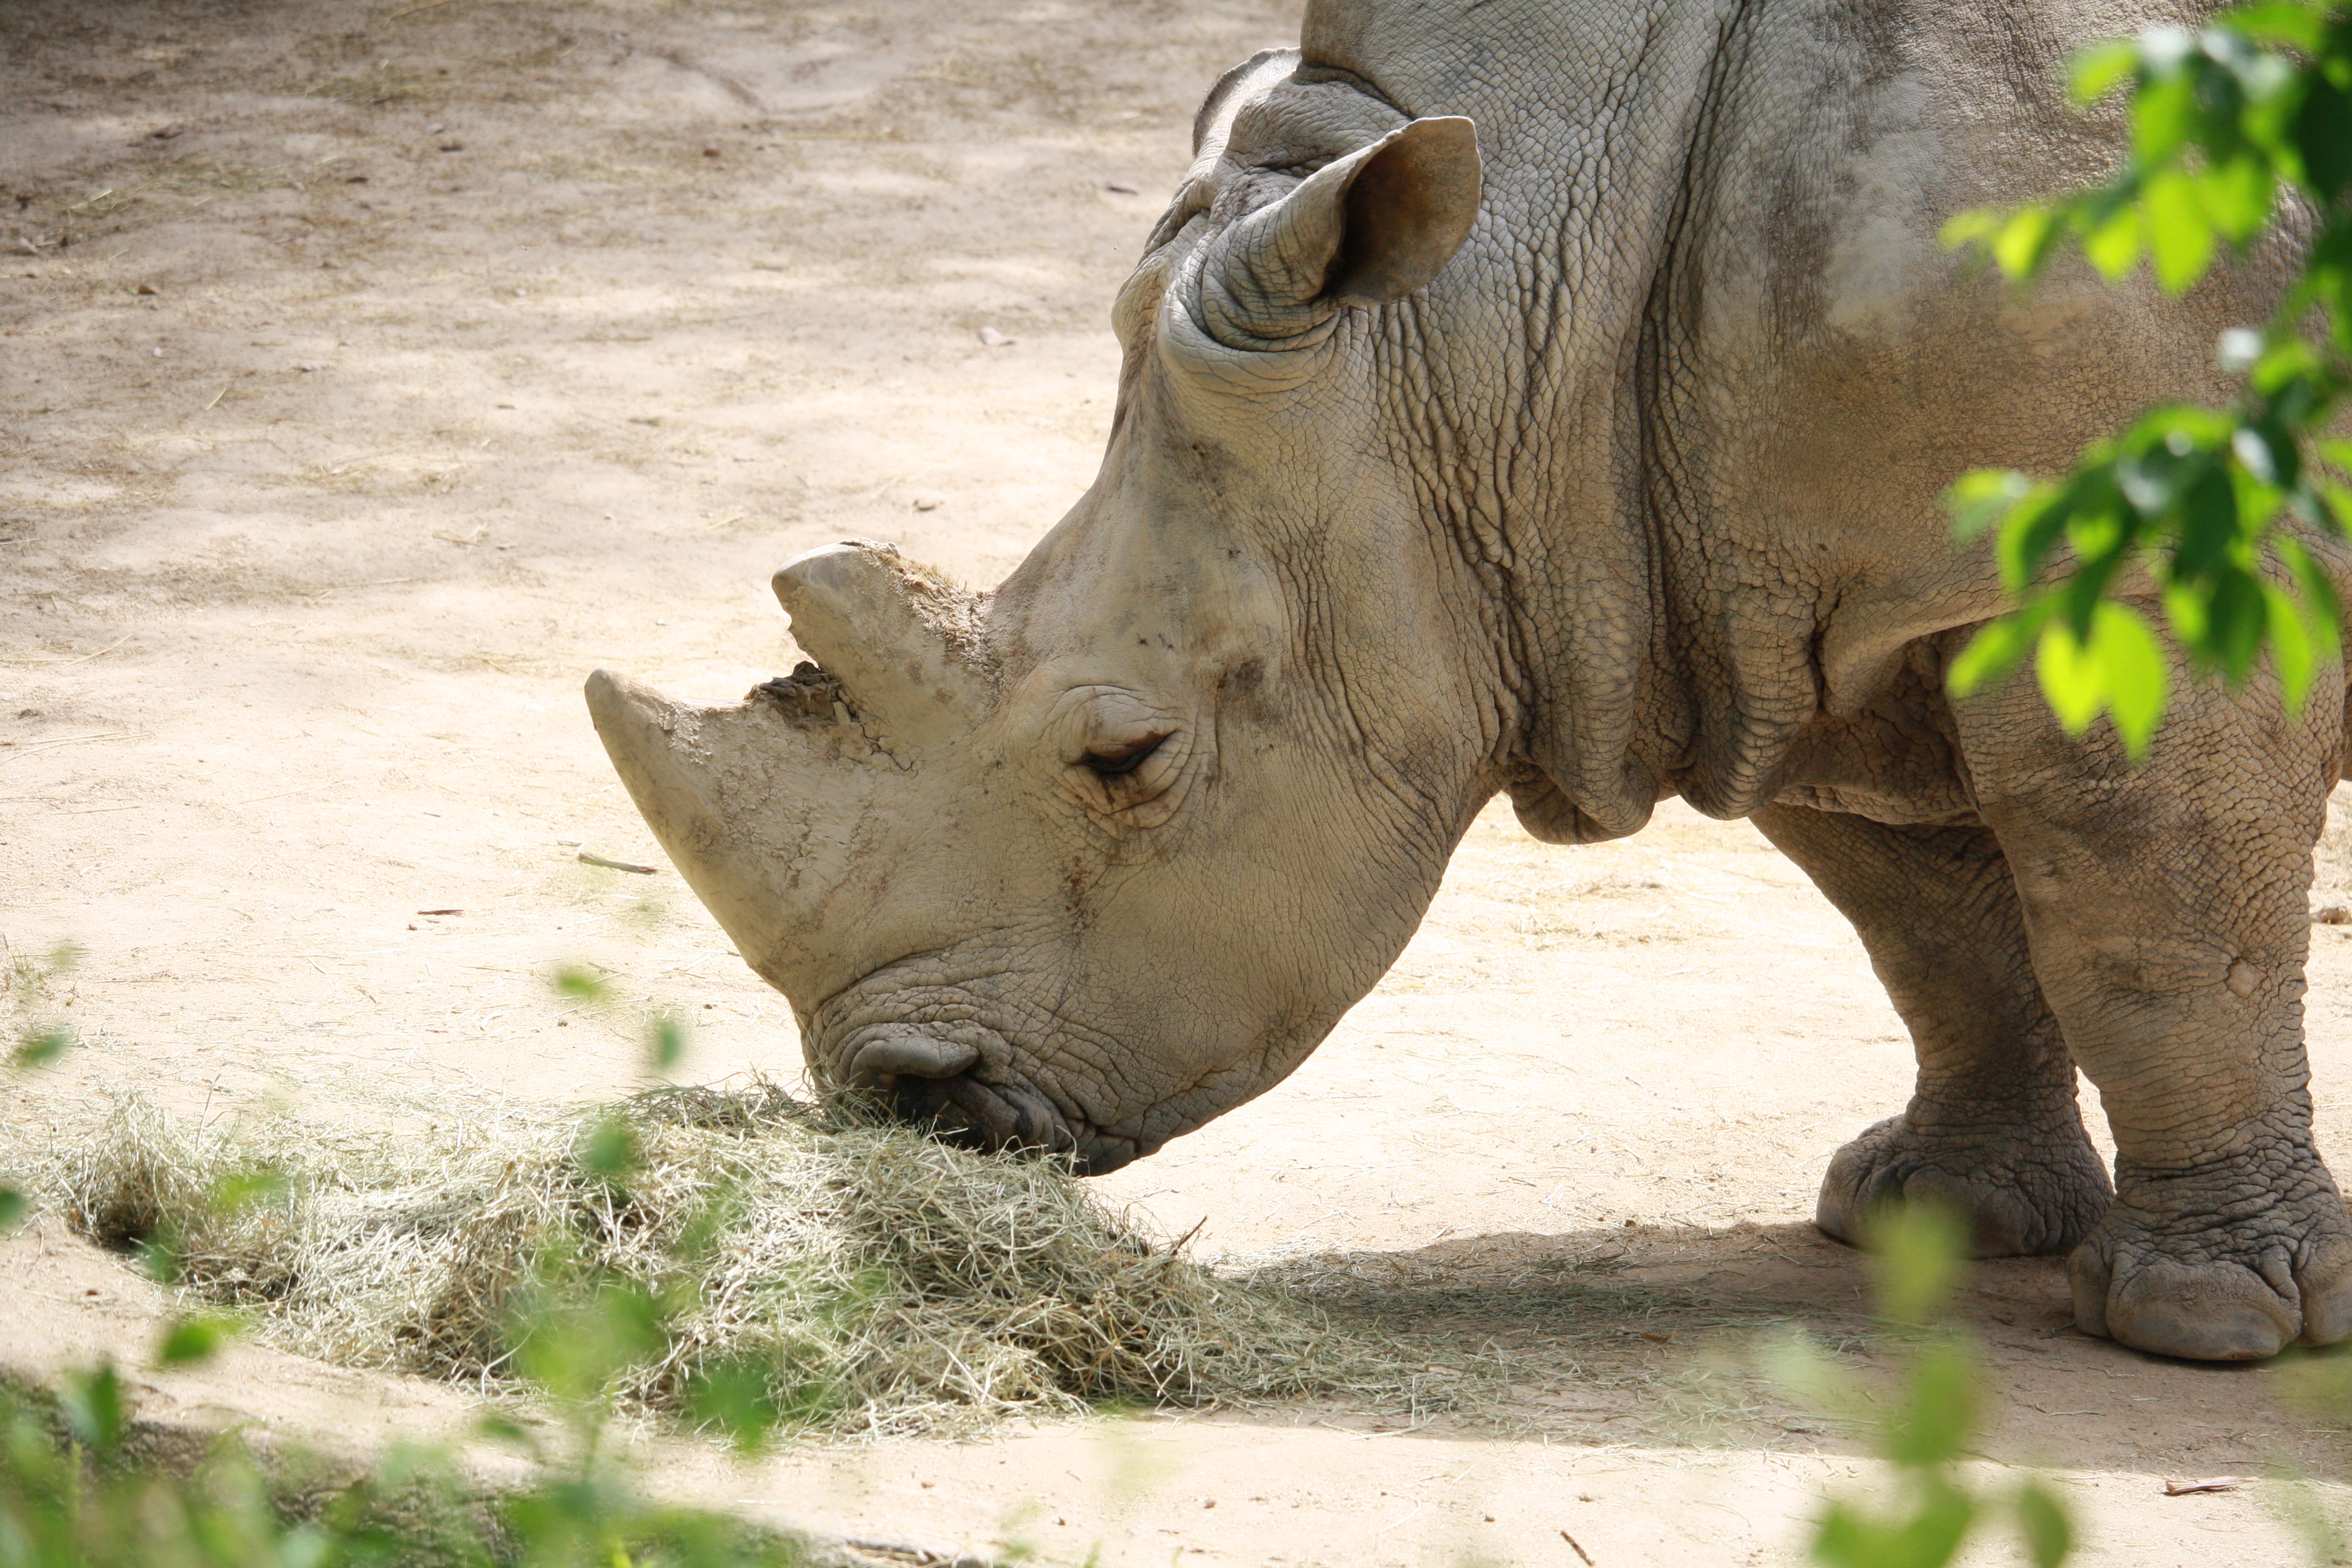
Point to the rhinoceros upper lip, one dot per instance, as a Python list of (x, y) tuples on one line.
[(910, 1052)]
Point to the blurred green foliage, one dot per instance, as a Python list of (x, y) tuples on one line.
[(1919, 1259), (23, 981), (79, 1489), (2232, 126)]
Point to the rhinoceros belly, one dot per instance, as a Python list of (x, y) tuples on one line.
[(1893, 759)]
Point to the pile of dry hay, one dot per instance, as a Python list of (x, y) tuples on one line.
[(883, 1283)]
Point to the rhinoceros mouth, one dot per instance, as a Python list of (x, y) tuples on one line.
[(955, 1079), (969, 1111), (997, 1113)]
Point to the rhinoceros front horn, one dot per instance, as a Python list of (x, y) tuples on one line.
[(749, 807), (903, 641), (762, 805)]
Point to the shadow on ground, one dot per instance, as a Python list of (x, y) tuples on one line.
[(1659, 1336)]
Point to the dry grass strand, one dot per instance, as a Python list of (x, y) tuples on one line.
[(885, 1283)]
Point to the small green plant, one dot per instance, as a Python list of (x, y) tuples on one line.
[(39, 1043), (1926, 1432), (2317, 1384), (77, 1492), (2226, 122)]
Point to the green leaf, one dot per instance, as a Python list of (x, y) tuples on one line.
[(2024, 242), (576, 1344), (2324, 608), (2113, 245), (1845, 1540), (1980, 499), (2293, 650), (1799, 1366), (2339, 499), (2098, 70), (1993, 655), (2132, 670), (2100, 537), (160, 1257), (2237, 195), (2322, 135), (2237, 613), (1963, 229), (1934, 1536), (12, 1208), (669, 1042), (506, 1429), (2049, 1534), (608, 1150), (733, 1395), (194, 1339), (2070, 677), (238, 1190), (93, 1408), (1938, 1421), (583, 983), (38, 1050), (2179, 235), (2278, 21), (633, 1321), (2185, 612), (1918, 1255), (721, 1206), (306, 1546), (2285, 361), (2165, 114), (2033, 526)]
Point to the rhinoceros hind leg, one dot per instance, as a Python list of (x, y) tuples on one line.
[(1993, 1130), (2235, 1293), (2167, 907)]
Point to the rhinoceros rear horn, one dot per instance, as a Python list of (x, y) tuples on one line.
[(1363, 230), (900, 638)]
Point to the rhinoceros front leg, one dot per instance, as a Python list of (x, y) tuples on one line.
[(2167, 908), (1993, 1129)]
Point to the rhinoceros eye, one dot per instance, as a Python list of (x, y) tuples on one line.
[(1116, 762)]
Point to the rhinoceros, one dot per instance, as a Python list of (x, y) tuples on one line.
[(1553, 397)]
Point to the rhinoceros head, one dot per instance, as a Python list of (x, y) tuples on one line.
[(1084, 862)]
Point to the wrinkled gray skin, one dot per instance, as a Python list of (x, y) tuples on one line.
[(1592, 456)]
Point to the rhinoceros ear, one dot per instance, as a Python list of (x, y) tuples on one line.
[(1363, 230), (896, 635)]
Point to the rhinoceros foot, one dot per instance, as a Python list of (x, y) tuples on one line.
[(2228, 1262), (2022, 1192)]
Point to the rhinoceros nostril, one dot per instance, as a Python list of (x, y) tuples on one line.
[(909, 1055)]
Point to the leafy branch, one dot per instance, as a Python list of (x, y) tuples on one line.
[(2228, 123), (1928, 1428)]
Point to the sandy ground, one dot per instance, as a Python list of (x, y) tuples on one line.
[(369, 372)]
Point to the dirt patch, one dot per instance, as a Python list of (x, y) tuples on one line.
[(369, 373)]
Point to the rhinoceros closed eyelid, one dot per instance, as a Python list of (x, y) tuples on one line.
[(1117, 762)]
